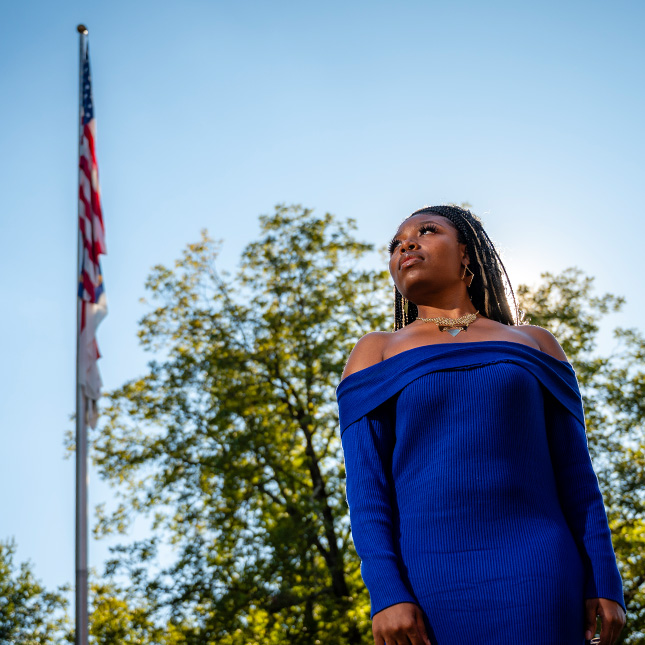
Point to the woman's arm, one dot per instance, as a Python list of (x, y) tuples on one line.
[(367, 446), (582, 502)]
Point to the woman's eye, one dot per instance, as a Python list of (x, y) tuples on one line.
[(422, 230)]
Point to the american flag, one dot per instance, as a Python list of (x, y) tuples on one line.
[(91, 290)]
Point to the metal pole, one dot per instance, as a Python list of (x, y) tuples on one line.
[(81, 637)]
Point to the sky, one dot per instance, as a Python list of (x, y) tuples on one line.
[(211, 113)]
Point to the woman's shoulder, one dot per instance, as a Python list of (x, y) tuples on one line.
[(367, 352), (546, 341)]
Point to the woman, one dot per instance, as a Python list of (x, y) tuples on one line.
[(473, 501)]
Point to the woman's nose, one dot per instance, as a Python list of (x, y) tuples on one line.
[(407, 246)]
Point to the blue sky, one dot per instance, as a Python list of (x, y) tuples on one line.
[(210, 113)]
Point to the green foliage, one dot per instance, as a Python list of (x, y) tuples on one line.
[(229, 444), (29, 615), (121, 616)]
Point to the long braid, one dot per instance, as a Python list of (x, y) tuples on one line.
[(490, 289)]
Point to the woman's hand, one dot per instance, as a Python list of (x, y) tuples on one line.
[(612, 619), (400, 624)]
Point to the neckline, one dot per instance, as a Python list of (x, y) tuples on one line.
[(459, 344)]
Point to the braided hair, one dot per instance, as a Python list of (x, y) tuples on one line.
[(488, 290)]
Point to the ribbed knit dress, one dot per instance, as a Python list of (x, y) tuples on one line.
[(472, 493)]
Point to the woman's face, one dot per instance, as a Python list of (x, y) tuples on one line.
[(425, 256)]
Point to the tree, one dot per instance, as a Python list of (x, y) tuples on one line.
[(230, 442), (29, 614)]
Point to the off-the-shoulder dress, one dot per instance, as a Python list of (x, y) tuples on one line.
[(472, 493)]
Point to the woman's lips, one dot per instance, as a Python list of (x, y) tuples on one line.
[(409, 261)]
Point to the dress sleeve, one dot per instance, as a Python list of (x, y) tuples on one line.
[(367, 446), (582, 503)]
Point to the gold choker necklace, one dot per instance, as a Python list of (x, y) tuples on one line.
[(452, 325)]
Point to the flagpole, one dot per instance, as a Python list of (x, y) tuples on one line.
[(81, 631)]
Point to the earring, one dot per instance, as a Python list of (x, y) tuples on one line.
[(470, 278)]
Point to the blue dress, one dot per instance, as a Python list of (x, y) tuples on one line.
[(471, 493)]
